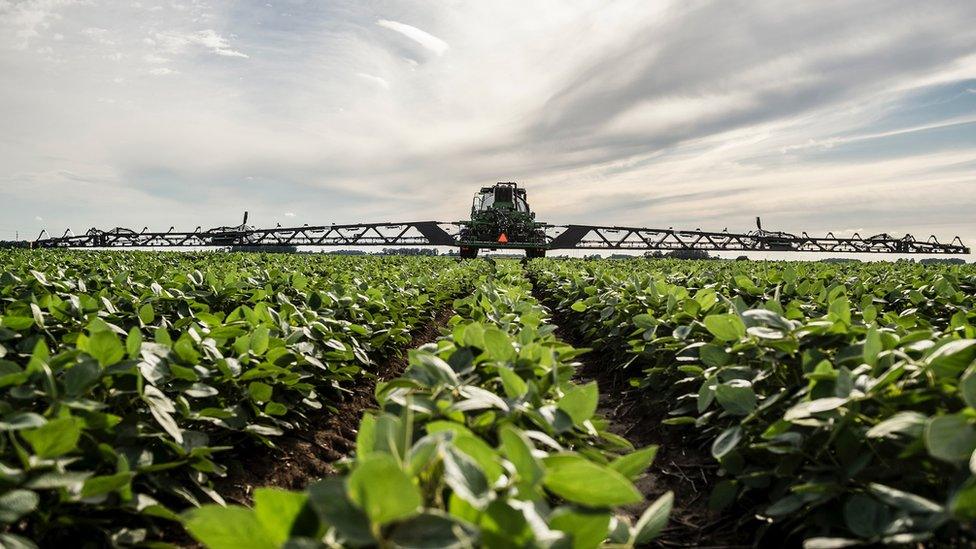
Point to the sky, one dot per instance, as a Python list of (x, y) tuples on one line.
[(844, 116)]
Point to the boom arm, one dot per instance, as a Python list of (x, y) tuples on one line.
[(431, 233), (637, 238), (558, 237)]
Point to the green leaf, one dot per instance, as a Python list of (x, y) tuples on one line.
[(869, 314), (133, 342), (96, 486), (967, 386), (283, 514), (830, 543), (260, 338), (366, 436), (706, 297), (807, 409), (840, 310), (726, 442), (54, 438), (228, 528), (518, 450), (17, 323), (104, 346), (713, 355), (736, 396), (865, 516), (726, 327), (146, 314), (580, 402), (465, 477), (17, 503), (723, 495), (498, 345), (331, 501), (467, 442), (13, 541), (785, 505), (81, 376), (161, 408), (432, 529), (950, 438), (963, 502), (579, 480), (903, 500), (513, 384), (578, 306), (872, 346), (379, 487), (37, 314), (910, 423), (953, 357), (22, 420), (653, 520), (634, 464), (474, 335), (260, 392), (587, 528), (275, 409)]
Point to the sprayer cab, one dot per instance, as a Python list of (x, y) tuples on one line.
[(501, 196), (501, 218)]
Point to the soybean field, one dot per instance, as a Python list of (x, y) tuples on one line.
[(239, 400)]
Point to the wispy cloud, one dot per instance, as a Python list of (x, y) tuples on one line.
[(179, 42), (421, 37), (21, 22), (381, 82)]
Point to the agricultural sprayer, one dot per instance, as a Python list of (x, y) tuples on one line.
[(500, 219)]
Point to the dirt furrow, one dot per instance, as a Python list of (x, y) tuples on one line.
[(681, 465)]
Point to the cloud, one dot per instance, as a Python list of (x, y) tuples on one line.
[(421, 37), (289, 214), (155, 59), (99, 35), (22, 22), (817, 116), (173, 42), (381, 82)]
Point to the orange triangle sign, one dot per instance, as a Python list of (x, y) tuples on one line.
[(503, 239)]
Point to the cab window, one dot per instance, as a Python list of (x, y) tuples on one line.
[(483, 202)]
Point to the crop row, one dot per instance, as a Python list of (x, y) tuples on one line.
[(485, 440), (128, 381), (839, 401)]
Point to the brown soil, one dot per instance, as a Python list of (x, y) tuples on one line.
[(308, 454), (682, 465)]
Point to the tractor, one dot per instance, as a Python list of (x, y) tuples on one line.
[(501, 218)]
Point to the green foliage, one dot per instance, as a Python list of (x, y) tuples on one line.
[(485, 440), (130, 381), (819, 388)]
